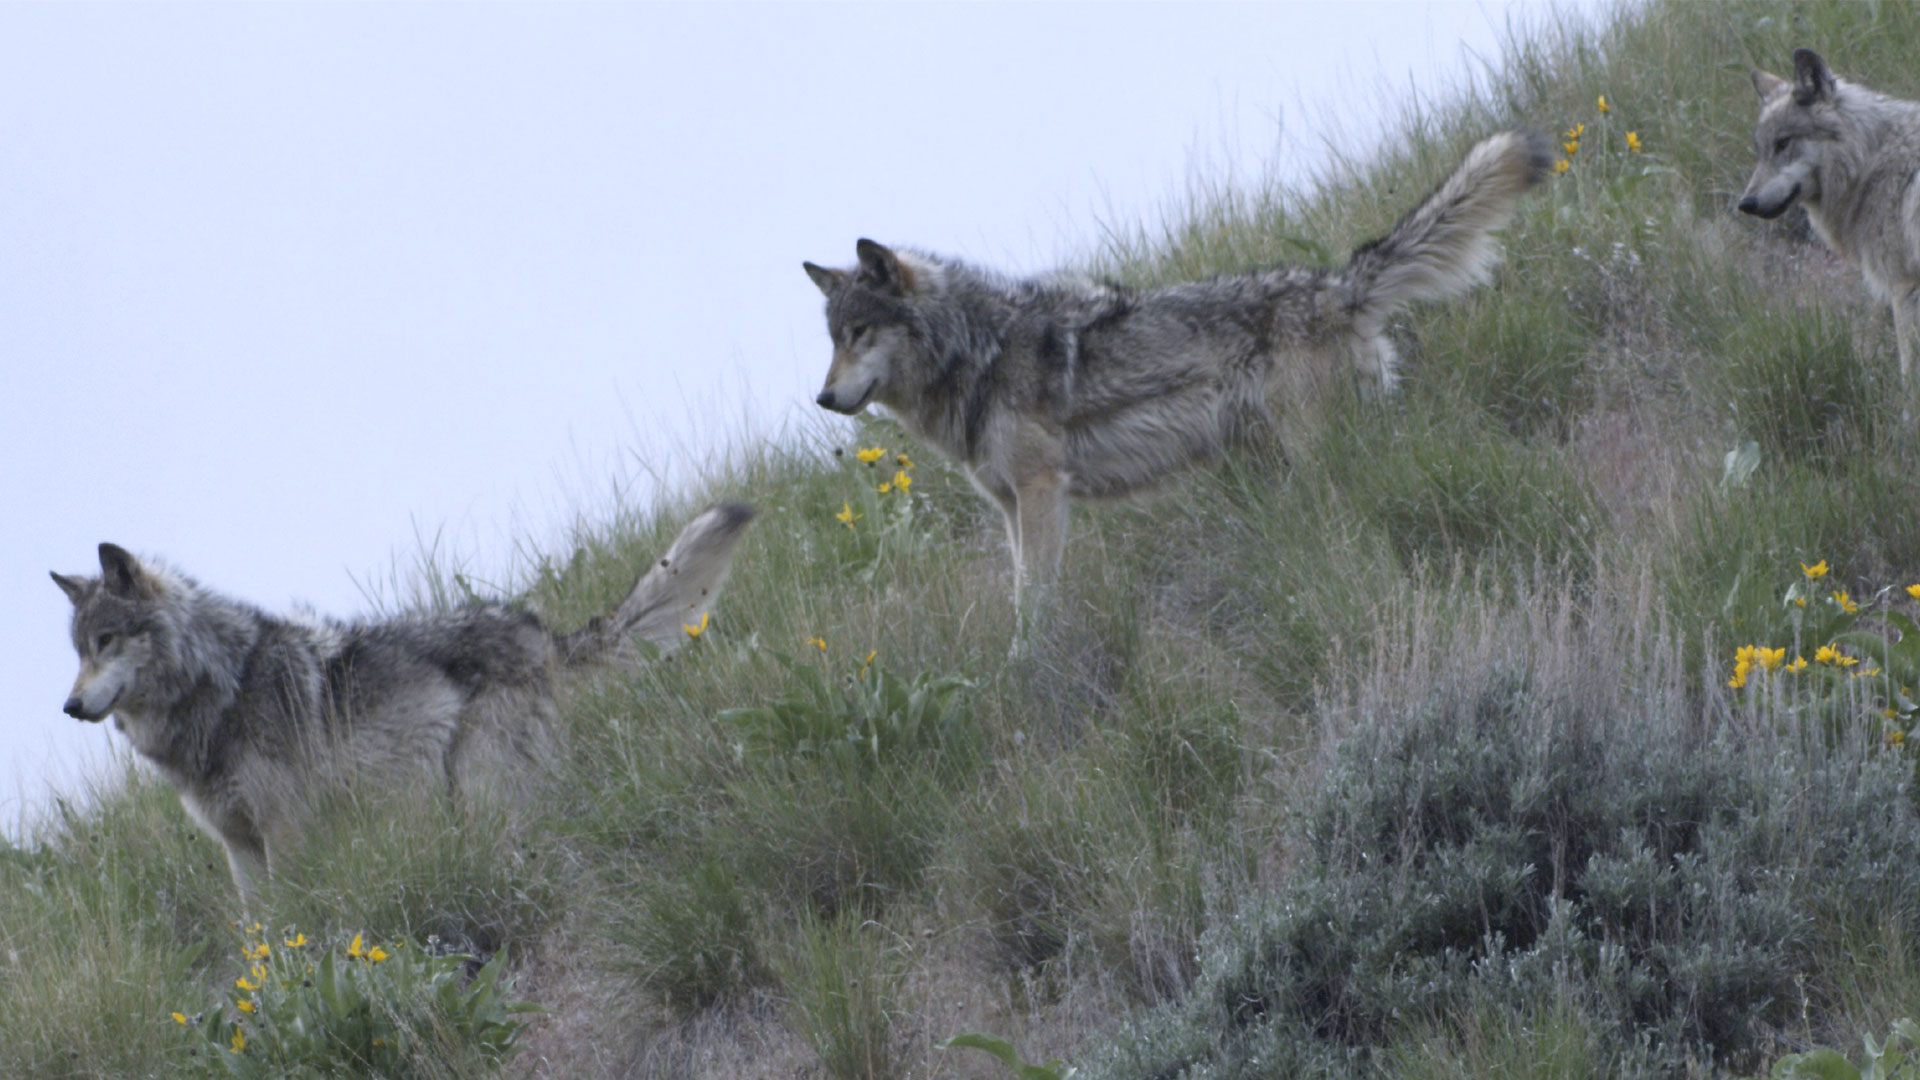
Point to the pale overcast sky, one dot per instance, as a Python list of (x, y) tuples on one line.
[(284, 286)]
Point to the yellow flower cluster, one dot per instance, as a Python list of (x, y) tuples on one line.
[(358, 951), (256, 953), (900, 482), (1570, 139), (1830, 654), (1748, 656), (693, 631)]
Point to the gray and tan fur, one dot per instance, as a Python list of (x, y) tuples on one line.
[(253, 717), (1850, 156), (1057, 386)]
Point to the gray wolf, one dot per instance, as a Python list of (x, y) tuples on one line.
[(1850, 157), (252, 717), (1058, 387)]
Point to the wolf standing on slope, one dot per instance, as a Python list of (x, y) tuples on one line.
[(1056, 386), (251, 716), (1850, 156)]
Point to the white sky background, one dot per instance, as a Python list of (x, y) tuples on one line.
[(283, 287)]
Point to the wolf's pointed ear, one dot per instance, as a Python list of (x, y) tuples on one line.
[(73, 587), (829, 281), (119, 571), (1811, 79), (1767, 84), (880, 268)]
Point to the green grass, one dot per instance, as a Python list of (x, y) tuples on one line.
[(1409, 755)]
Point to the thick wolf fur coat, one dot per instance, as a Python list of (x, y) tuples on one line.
[(253, 718), (1058, 386), (1851, 157)]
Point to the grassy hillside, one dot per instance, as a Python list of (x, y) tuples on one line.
[(1412, 756)]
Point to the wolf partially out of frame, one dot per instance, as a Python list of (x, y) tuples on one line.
[(253, 718), (1058, 387), (1851, 157)]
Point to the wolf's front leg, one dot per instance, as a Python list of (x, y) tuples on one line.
[(1904, 329), (248, 865), (1042, 518)]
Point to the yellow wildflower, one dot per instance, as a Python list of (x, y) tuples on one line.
[(259, 952), (905, 461), (1743, 658), (376, 954), (1799, 664), (870, 656), (1826, 654), (1771, 659), (846, 515), (179, 1018), (1896, 738), (1816, 571), (1576, 131), (1800, 601), (239, 1043), (1571, 146), (355, 949), (295, 941), (1562, 166), (243, 984), (692, 632), (254, 929), (1603, 104), (818, 643), (1866, 673), (243, 1005), (885, 487), (1914, 591), (870, 454), (1633, 141), (1889, 713), (1846, 602), (259, 973), (901, 481)]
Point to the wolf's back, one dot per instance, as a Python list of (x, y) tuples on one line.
[(675, 593), (1444, 246)]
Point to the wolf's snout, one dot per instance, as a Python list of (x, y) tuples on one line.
[(825, 400), (74, 709), (1750, 205)]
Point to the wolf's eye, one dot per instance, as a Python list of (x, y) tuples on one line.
[(855, 333), (1780, 144), (101, 643)]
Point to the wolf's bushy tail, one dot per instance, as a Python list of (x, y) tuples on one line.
[(674, 594), (1444, 246)]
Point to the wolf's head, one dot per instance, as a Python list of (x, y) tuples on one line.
[(1799, 121), (115, 630), (870, 316)]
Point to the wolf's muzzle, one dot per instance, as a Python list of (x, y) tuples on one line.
[(1751, 205), (78, 709)]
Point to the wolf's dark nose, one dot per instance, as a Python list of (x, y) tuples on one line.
[(74, 709), (1749, 205), (825, 400)]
